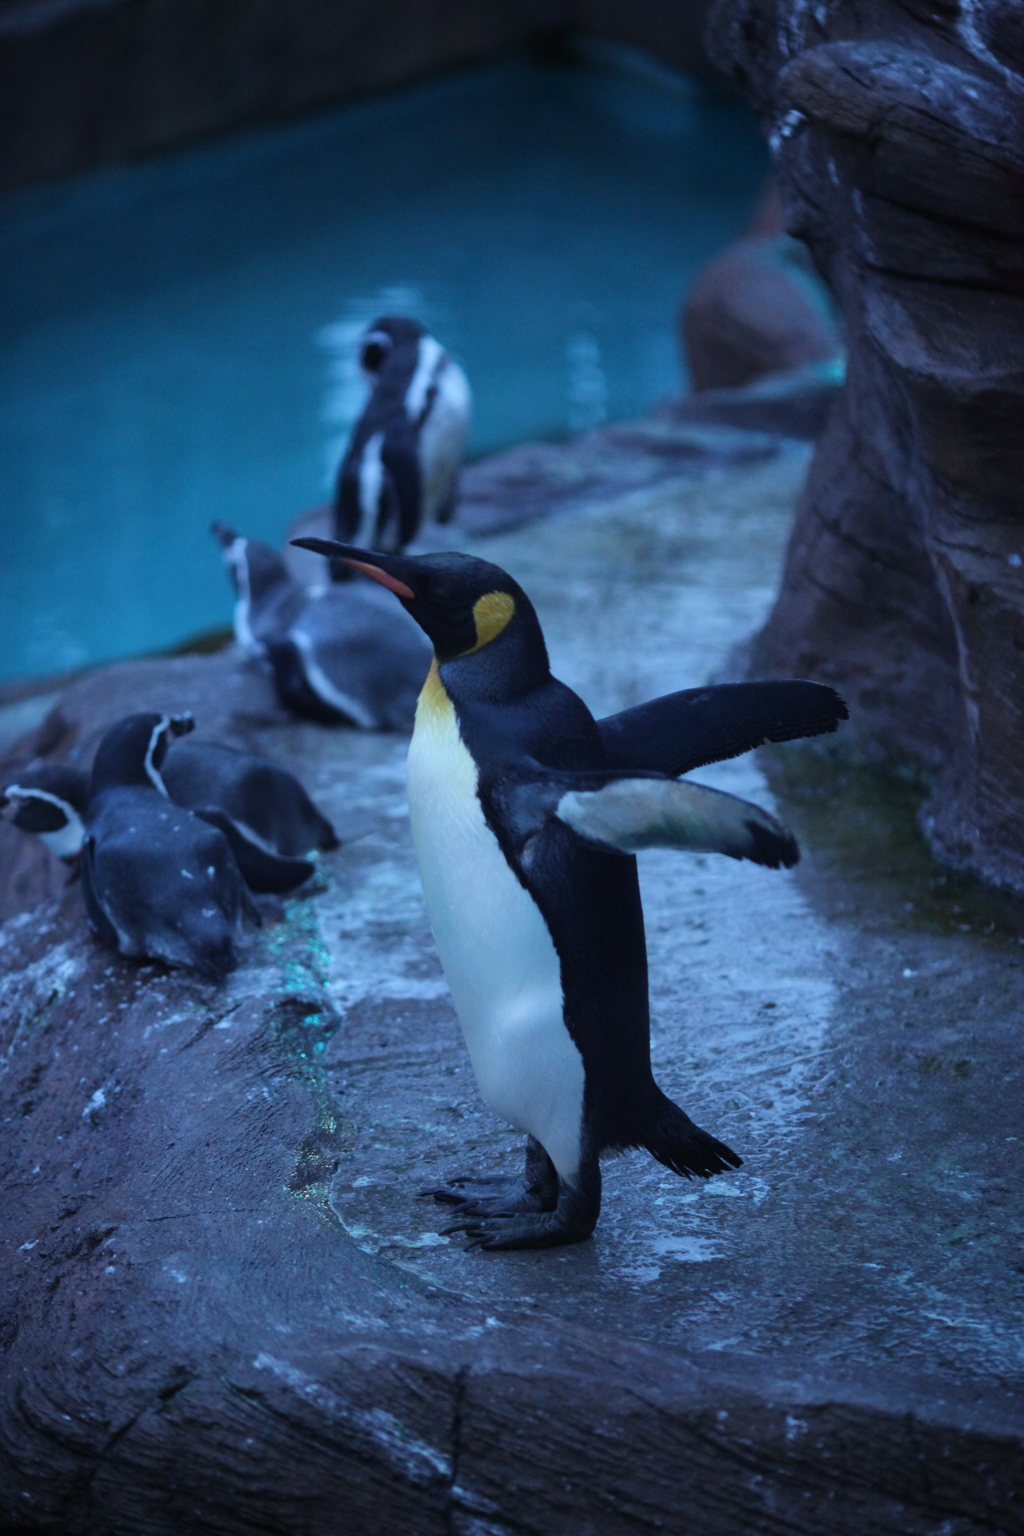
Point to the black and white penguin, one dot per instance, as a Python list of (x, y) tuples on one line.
[(526, 812), (401, 467), (159, 883), (267, 599), (51, 802), (343, 654), (263, 811)]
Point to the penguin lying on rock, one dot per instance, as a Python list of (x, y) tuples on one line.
[(51, 802), (344, 654), (526, 812), (158, 882), (401, 467), (263, 811)]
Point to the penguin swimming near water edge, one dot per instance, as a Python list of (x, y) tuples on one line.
[(401, 467), (159, 883), (526, 813), (338, 655)]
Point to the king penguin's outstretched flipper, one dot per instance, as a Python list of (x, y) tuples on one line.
[(624, 814), (686, 730), (631, 814)]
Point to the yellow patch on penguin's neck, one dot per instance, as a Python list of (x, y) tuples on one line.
[(491, 613), (433, 700)]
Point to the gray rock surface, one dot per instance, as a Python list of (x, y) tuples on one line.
[(226, 1310), (759, 308), (83, 82), (898, 127)]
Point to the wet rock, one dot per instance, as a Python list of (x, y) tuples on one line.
[(900, 150), (796, 404), (759, 308), (224, 1308), (535, 480)]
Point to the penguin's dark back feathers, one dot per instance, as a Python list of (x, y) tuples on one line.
[(261, 871), (371, 655), (590, 901), (549, 724), (251, 791), (396, 520), (294, 688), (159, 882)]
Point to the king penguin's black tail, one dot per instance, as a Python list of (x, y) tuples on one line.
[(682, 1146)]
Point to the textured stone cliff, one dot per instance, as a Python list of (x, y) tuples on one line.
[(898, 130)]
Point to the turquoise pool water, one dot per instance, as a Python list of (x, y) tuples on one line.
[(176, 337)]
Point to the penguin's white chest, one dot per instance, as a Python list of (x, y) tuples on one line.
[(498, 956)]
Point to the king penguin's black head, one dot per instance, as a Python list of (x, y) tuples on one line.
[(132, 750), (462, 604)]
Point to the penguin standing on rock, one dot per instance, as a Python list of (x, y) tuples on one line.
[(526, 812), (158, 882), (341, 655), (401, 467)]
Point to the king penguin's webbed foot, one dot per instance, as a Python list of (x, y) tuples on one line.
[(573, 1218), (535, 1192)]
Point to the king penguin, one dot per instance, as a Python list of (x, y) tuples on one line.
[(159, 883), (401, 467), (526, 813)]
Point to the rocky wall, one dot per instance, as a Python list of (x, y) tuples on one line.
[(898, 130), (82, 83)]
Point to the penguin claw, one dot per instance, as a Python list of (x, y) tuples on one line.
[(540, 1230), (514, 1199), (463, 1191)]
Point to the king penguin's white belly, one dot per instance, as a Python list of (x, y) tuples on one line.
[(498, 956)]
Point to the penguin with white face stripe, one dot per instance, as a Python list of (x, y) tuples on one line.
[(51, 801), (337, 654), (525, 814), (274, 829), (401, 467), (158, 882)]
